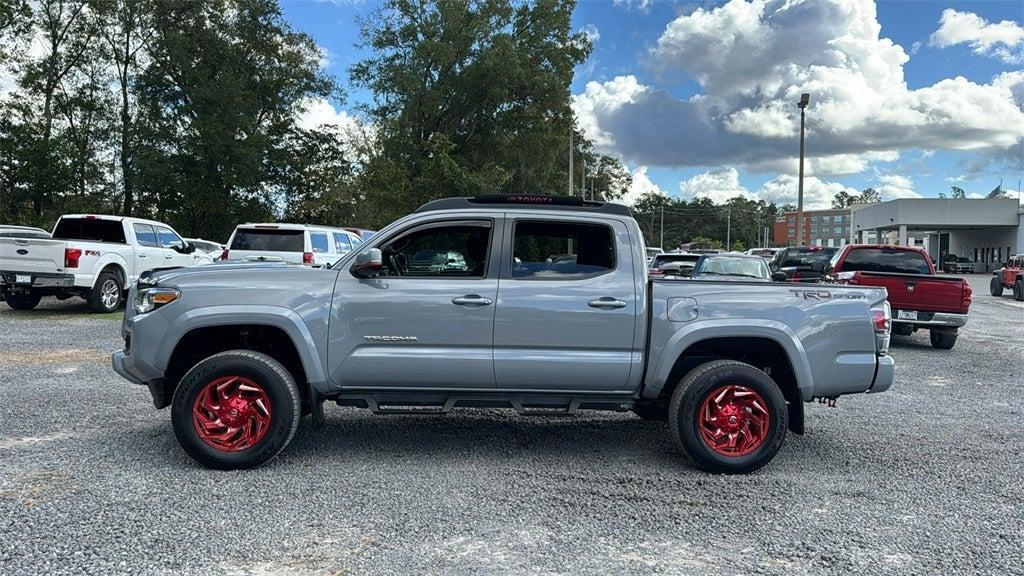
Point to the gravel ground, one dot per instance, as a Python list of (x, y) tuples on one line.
[(924, 479)]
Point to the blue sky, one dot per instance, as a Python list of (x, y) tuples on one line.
[(695, 96)]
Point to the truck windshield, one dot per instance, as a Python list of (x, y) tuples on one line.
[(91, 229), (885, 260), (269, 240)]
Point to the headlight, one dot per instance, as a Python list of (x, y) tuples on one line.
[(149, 299)]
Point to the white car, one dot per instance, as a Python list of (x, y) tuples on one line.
[(92, 256), (207, 251), (316, 246)]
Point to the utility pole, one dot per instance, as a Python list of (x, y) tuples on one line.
[(728, 227), (804, 99), (583, 179), (662, 243), (570, 161)]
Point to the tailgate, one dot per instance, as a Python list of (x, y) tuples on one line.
[(32, 255), (919, 292), (265, 256)]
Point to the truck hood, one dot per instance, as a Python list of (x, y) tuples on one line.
[(235, 274)]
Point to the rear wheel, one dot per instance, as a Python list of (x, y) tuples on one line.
[(105, 296), (236, 409), (728, 417), (943, 340), (995, 287), (22, 300), (1018, 290)]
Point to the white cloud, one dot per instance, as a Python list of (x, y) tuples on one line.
[(641, 5), (316, 112), (893, 186), (997, 39), (754, 59), (719, 185), (818, 194), (639, 187), (592, 33)]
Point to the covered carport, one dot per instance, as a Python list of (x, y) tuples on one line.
[(986, 231)]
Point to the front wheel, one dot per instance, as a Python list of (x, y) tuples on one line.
[(943, 340), (235, 410), (22, 300), (1018, 290), (728, 417), (995, 287)]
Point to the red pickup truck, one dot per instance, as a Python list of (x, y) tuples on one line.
[(920, 300)]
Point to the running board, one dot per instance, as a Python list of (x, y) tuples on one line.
[(410, 403)]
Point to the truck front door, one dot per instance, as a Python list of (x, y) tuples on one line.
[(567, 306), (420, 325)]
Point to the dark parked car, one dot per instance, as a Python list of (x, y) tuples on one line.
[(673, 265), (739, 267), (803, 263), (953, 264)]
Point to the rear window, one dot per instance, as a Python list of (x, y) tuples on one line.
[(268, 240), (663, 259), (801, 258), (91, 229), (885, 260)]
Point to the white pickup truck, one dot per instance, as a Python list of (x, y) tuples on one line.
[(92, 256)]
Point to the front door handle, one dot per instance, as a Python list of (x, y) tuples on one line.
[(471, 300), (142, 255), (607, 302), (168, 257)]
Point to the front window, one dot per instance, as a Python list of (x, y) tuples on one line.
[(561, 250), (342, 244), (168, 239), (456, 250)]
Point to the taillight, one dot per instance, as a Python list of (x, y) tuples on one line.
[(965, 296), (849, 278), (881, 320), (224, 255), (655, 271), (307, 257), (71, 256)]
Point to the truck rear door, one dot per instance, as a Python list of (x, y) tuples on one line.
[(567, 305)]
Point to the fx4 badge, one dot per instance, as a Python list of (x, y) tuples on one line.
[(390, 338), (825, 295)]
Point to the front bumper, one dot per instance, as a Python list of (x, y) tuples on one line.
[(885, 372), (121, 361), (37, 280), (933, 320)]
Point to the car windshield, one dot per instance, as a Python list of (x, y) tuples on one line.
[(806, 257), (732, 266)]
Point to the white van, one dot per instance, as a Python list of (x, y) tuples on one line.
[(315, 246)]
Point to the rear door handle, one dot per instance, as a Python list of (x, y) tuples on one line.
[(471, 300), (168, 257), (607, 302), (142, 255)]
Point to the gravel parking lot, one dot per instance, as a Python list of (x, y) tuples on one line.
[(924, 479)]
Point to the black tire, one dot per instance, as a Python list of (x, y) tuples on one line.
[(1018, 290), (995, 287), (106, 295), (22, 300), (900, 329), (943, 340), (691, 393), (654, 411), (270, 375)]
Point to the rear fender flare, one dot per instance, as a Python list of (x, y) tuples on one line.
[(108, 259), (696, 332)]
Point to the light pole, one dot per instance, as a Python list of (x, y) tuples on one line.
[(804, 99)]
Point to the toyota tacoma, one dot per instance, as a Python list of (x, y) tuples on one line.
[(549, 311)]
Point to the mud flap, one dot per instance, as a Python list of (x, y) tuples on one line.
[(796, 417)]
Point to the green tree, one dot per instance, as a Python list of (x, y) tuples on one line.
[(469, 97), (216, 105), (869, 195), (957, 192)]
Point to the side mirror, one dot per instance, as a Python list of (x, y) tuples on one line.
[(188, 248), (779, 277), (368, 263)]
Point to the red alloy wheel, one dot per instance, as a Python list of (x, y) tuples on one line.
[(231, 413), (733, 420)]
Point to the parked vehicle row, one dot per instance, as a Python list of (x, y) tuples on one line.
[(538, 303), (96, 257)]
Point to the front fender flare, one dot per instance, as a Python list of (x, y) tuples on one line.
[(277, 316), (719, 328)]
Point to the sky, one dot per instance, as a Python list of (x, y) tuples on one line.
[(909, 97)]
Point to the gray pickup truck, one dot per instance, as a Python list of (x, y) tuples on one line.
[(546, 308)]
